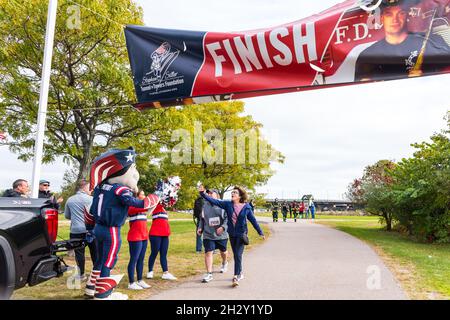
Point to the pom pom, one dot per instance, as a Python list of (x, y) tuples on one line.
[(167, 191)]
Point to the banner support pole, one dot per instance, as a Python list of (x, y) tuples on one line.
[(43, 96)]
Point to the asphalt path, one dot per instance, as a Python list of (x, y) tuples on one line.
[(301, 261)]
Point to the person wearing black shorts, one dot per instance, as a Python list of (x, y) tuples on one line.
[(213, 227)]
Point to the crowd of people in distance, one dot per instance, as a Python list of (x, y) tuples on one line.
[(303, 209)]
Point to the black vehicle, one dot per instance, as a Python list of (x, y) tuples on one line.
[(28, 246)]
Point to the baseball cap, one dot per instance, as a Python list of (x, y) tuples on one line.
[(212, 191), (42, 181)]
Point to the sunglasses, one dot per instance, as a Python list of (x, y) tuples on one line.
[(46, 185), (234, 192)]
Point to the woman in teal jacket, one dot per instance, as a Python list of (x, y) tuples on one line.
[(238, 211)]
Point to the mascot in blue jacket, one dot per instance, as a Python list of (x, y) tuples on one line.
[(113, 178)]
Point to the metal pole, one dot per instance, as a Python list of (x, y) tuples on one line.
[(43, 96)]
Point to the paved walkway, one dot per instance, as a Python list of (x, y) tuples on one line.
[(300, 260)]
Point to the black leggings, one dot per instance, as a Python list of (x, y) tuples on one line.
[(238, 250), (81, 252)]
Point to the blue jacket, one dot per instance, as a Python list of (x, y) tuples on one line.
[(241, 224)]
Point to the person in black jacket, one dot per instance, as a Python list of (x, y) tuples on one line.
[(198, 208), (284, 210), (20, 188), (275, 211), (44, 192)]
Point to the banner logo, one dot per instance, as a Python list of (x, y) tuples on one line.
[(159, 76)]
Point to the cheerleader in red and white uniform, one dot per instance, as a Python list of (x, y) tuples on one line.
[(137, 241), (159, 242)]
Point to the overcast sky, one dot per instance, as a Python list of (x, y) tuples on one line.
[(328, 136)]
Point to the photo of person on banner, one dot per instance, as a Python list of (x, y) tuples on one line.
[(402, 53)]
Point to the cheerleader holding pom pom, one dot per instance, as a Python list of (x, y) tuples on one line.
[(160, 230)]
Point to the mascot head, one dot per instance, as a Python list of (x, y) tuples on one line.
[(115, 166)]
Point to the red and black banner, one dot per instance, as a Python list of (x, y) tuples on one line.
[(350, 43)]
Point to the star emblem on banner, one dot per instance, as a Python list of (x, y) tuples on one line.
[(129, 157)]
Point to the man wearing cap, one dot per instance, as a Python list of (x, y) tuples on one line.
[(44, 192), (401, 54), (213, 226), (114, 178)]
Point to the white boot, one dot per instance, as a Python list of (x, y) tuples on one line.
[(108, 284)]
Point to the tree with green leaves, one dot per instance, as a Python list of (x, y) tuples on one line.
[(415, 192), (217, 145), (91, 90), (373, 190), (422, 190)]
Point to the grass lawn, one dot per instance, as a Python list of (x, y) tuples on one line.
[(422, 269), (183, 262)]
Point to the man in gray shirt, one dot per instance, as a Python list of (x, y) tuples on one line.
[(75, 209), (213, 227)]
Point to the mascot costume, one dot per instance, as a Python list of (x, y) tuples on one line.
[(114, 178)]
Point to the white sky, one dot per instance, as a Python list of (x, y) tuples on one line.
[(328, 136)]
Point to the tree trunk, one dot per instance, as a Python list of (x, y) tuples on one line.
[(388, 220), (85, 162), (388, 223)]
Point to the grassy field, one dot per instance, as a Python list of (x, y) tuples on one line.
[(183, 262), (422, 269)]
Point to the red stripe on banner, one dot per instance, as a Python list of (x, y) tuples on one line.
[(278, 58)]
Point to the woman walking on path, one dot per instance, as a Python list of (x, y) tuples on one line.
[(238, 211), (137, 241)]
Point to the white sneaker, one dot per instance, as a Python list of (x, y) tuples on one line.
[(168, 276), (224, 267), (150, 275), (134, 286), (143, 285), (240, 277), (207, 278)]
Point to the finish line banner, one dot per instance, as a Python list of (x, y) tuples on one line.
[(350, 43)]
